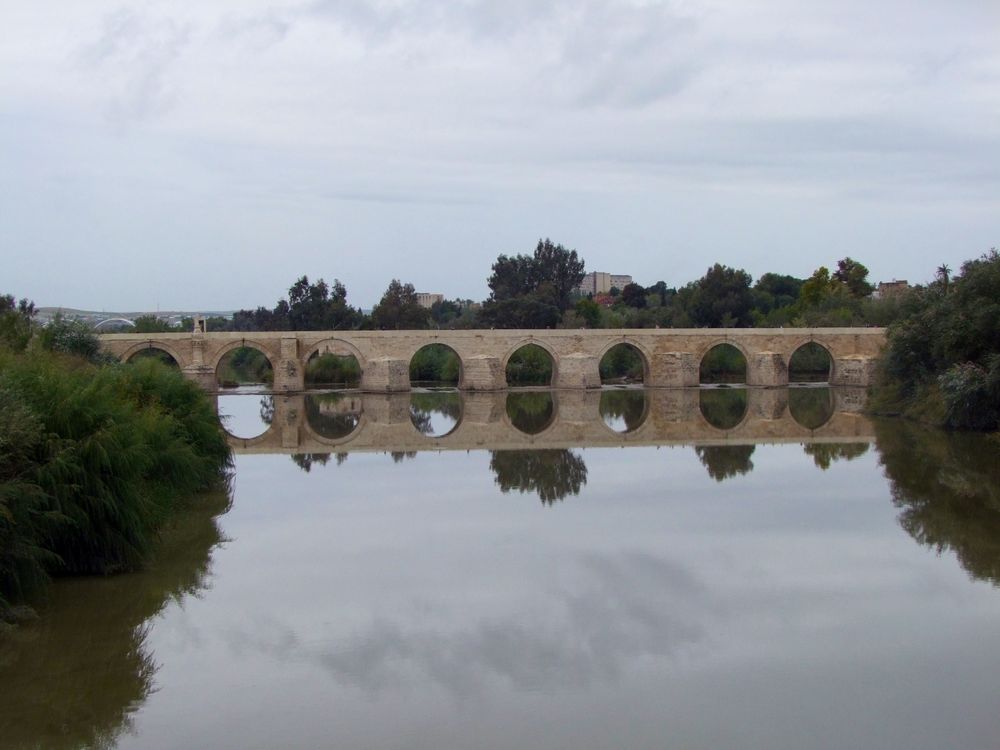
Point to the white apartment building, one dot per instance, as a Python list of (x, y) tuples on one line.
[(600, 282)]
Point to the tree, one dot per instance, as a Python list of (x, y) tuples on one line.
[(552, 474), (15, 322), (590, 311), (944, 276), (399, 309), (522, 312), (150, 324), (634, 295), (551, 274), (854, 276), (722, 292)]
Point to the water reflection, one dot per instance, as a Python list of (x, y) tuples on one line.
[(824, 454), (723, 408), (76, 676), (333, 416), (551, 474), (246, 415), (624, 409), (811, 407), (726, 461), (435, 413), (531, 412), (947, 487)]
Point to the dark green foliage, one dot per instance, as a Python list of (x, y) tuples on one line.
[(151, 324), (589, 312), (941, 362), (723, 364), (333, 369), (309, 307), (726, 461), (551, 474), (947, 487), (102, 456), (72, 337), (530, 413), (528, 311), (435, 363), (550, 276), (399, 310), (153, 353), (622, 363), (854, 276), (824, 454), (634, 295), (15, 322), (529, 365), (723, 408), (722, 298)]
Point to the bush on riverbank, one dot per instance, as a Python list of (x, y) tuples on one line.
[(942, 362), (92, 461)]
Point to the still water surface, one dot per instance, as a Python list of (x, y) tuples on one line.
[(823, 586)]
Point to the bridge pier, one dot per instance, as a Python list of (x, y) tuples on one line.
[(288, 373), (673, 370), (857, 371), (386, 375), (767, 369), (482, 373), (577, 371)]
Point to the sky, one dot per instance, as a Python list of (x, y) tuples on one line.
[(165, 155)]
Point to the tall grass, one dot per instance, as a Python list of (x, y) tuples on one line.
[(92, 461)]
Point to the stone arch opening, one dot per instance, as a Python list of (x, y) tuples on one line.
[(435, 364), (244, 364), (329, 370), (436, 413), (532, 412), (333, 417), (811, 407), (245, 416), (810, 363), (530, 365), (623, 363), (724, 408), (156, 354), (624, 410), (722, 364)]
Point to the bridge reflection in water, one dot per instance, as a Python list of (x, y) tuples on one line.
[(344, 422)]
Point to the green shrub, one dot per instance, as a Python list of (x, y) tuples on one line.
[(93, 460)]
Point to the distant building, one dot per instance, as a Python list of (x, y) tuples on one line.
[(890, 288), (427, 299), (599, 282)]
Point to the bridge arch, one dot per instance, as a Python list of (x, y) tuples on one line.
[(712, 400), (337, 346), (644, 353), (541, 344), (153, 344), (311, 412), (225, 349), (703, 351), (550, 420), (797, 344)]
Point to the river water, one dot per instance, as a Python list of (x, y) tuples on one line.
[(626, 569)]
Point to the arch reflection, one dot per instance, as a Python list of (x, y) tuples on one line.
[(624, 409), (333, 416), (245, 417), (532, 412), (436, 413), (723, 408), (811, 407)]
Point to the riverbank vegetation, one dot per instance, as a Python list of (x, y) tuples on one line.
[(942, 361), (94, 455)]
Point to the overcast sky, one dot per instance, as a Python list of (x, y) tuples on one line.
[(203, 155)]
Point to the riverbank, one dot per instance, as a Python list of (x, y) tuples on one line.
[(93, 460)]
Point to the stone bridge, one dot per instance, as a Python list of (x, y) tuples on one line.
[(671, 357), (383, 422)]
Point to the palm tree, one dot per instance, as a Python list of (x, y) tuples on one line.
[(944, 276)]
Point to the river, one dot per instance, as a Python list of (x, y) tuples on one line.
[(707, 568)]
